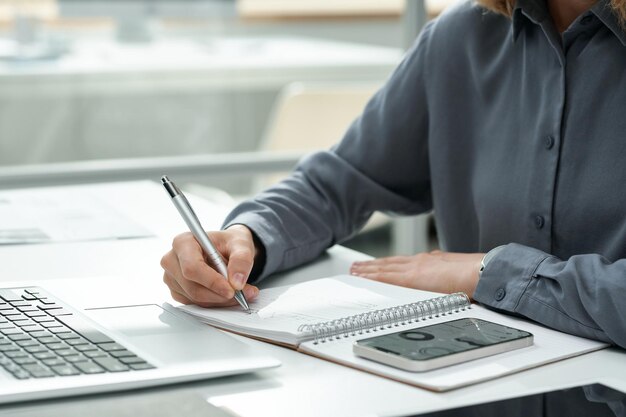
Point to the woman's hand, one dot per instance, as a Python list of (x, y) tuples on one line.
[(444, 272), (192, 281)]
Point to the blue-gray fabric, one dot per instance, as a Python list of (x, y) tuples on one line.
[(515, 135)]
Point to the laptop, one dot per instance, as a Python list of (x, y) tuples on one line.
[(50, 349)]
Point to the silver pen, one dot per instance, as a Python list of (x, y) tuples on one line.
[(187, 213)]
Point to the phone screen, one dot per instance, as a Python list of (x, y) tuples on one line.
[(444, 339)]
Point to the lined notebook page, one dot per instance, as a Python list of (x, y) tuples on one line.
[(278, 312)]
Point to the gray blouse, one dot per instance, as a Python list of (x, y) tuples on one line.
[(514, 135)]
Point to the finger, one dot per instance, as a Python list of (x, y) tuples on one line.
[(179, 295), (393, 278), (240, 261), (193, 267), (377, 268), (385, 260), (174, 287), (251, 292)]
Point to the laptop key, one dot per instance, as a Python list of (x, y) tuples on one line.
[(44, 319), (85, 329), (95, 354), (21, 336), (77, 341), (51, 324), (132, 360), (141, 366), (12, 312), (85, 347), (27, 342), (66, 352), (9, 295), (76, 358), (70, 335), (121, 353), (8, 347), (45, 355), (48, 339), (16, 318), (48, 306), (40, 334), (111, 364), (26, 360), (32, 328), (29, 297), (16, 354), (21, 374), (59, 312), (12, 367), (29, 307), (38, 371), (53, 362), (57, 346), (35, 349), (26, 322), (21, 303), (35, 313), (111, 346), (65, 370), (89, 368)]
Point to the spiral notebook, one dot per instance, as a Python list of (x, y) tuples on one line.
[(324, 317)]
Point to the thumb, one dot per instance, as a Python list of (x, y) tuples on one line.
[(240, 264)]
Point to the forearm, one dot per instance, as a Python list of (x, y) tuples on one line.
[(324, 202), (583, 295)]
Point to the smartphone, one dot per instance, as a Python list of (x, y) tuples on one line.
[(442, 344)]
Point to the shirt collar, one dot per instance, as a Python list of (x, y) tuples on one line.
[(603, 11), (536, 11)]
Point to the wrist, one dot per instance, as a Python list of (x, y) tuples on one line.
[(488, 258)]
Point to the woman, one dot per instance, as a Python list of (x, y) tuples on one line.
[(506, 118)]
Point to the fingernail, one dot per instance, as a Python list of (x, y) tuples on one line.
[(239, 280)]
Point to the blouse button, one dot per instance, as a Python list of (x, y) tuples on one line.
[(539, 222)]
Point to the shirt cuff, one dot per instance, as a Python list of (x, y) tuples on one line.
[(506, 277), (265, 236)]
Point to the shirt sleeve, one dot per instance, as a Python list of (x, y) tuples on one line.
[(583, 295), (380, 165)]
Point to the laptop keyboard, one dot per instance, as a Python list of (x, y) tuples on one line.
[(39, 338)]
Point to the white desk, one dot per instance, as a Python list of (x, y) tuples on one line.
[(304, 385)]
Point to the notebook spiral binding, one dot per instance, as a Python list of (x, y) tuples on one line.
[(386, 318)]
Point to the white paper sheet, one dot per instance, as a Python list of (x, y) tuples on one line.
[(47, 216)]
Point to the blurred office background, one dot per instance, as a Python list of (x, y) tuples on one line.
[(88, 85)]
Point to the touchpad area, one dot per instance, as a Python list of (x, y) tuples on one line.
[(141, 320), (167, 337)]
